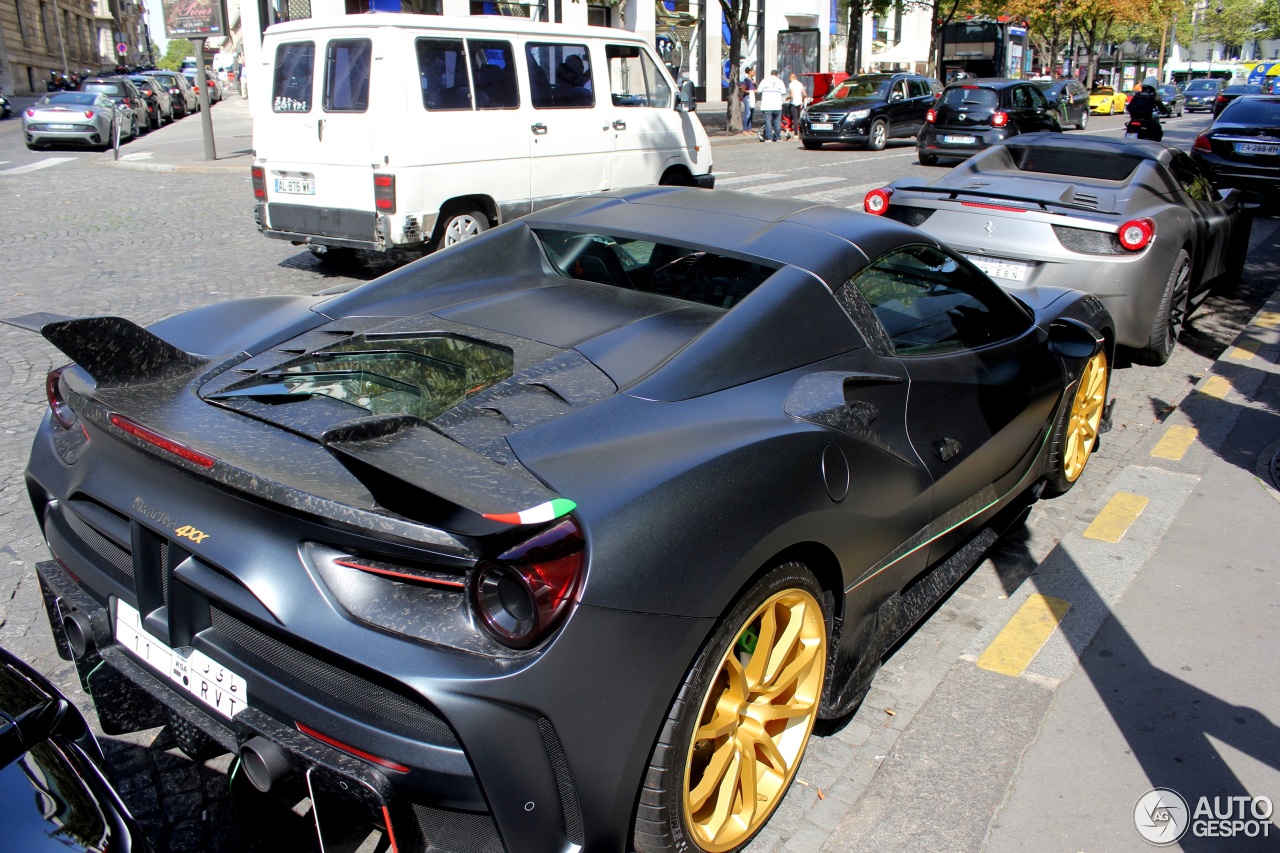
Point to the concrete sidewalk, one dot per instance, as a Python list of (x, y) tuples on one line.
[(179, 147), (1161, 674)]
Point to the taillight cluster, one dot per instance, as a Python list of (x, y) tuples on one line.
[(1136, 234), (259, 176), (931, 116), (384, 193), (88, 113), (523, 594), (999, 119), (1203, 144), (877, 201), (61, 411)]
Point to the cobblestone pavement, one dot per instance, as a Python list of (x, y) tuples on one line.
[(85, 240)]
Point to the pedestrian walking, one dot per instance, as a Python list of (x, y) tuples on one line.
[(772, 91), (748, 90), (795, 102)]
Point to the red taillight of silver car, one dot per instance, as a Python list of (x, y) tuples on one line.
[(877, 201), (1136, 234)]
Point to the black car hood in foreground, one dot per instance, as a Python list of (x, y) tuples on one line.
[(565, 346)]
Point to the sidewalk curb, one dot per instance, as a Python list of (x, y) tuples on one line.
[(205, 168)]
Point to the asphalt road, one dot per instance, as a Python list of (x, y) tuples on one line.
[(80, 238)]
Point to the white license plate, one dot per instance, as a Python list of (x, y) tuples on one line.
[(1001, 267), (1257, 148), (296, 186), (62, 127), (958, 140), (822, 125), (193, 671)]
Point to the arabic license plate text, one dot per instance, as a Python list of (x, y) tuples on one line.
[(958, 140), (1001, 267), (1257, 148), (296, 186), (822, 125), (193, 671)]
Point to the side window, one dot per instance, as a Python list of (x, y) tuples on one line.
[(928, 302), (493, 69), (442, 74), (1020, 99), (1192, 179), (919, 88), (560, 75), (346, 75), (1038, 100), (634, 78), (899, 91), (291, 87)]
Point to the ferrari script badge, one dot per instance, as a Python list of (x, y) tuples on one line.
[(189, 532)]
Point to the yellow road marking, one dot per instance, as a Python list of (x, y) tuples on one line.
[(1267, 319), (1216, 386), (1116, 517), (1246, 350), (1019, 641), (1174, 443)]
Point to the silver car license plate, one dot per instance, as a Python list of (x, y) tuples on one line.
[(1002, 268), (193, 671), (62, 127), (296, 186), (822, 125), (1257, 148), (957, 140)]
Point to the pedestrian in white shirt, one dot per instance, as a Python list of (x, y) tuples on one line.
[(795, 102), (771, 92)]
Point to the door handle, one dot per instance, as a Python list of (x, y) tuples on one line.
[(539, 129), (619, 124), (320, 130)]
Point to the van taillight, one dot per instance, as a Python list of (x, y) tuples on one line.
[(384, 193), (259, 182)]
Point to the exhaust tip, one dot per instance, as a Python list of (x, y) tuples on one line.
[(264, 763), (79, 633)]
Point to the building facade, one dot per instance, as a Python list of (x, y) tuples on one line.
[(38, 37)]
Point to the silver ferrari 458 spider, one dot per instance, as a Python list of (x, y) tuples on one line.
[(1135, 223)]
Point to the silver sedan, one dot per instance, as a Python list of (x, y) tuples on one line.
[(77, 118), (1137, 224)]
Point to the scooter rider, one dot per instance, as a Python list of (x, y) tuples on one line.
[(1144, 109)]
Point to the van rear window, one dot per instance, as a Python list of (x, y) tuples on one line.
[(346, 75), (291, 87)]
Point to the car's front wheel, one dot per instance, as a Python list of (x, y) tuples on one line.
[(1075, 435), (738, 727), (1171, 315), (811, 144), (879, 135)]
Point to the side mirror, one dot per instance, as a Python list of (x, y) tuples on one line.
[(1072, 339), (1249, 200)]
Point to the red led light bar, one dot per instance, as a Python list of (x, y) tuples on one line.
[(351, 750), (155, 439), (391, 573), (994, 206)]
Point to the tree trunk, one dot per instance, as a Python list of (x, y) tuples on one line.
[(853, 49), (737, 30)]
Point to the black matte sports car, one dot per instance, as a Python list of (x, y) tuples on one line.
[(564, 536)]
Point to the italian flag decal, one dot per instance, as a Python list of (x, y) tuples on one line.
[(548, 511)]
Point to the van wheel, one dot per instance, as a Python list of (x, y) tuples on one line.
[(458, 224)]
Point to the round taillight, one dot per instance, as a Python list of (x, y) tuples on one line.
[(1203, 144), (524, 593), (931, 116), (88, 113), (31, 113), (877, 201), (999, 119), (1136, 234), (63, 416)]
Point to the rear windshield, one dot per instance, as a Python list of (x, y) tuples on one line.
[(1052, 160), (644, 265), (291, 87), (970, 97), (1199, 85), (1258, 113), (166, 79), (104, 88), (80, 99)]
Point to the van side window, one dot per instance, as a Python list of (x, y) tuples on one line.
[(291, 89), (634, 78), (493, 68), (346, 75), (442, 74), (560, 75)]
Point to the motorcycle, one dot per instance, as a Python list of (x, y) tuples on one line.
[(1144, 129), (5, 109)]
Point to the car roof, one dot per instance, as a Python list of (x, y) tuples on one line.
[(986, 83), (829, 242)]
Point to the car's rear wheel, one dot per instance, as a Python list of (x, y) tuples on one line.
[(811, 144), (1084, 120), (879, 135), (1075, 435), (738, 727), (457, 224), (1171, 315)]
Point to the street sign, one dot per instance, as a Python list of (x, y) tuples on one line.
[(122, 48)]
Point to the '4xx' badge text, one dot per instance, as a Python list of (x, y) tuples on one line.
[(189, 532)]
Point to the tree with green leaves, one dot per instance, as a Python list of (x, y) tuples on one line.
[(179, 49), (855, 12), (1233, 23)]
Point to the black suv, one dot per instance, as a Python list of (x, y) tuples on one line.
[(869, 109), (973, 115)]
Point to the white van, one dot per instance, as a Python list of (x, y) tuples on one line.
[(391, 131)]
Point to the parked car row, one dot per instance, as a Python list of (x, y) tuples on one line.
[(106, 105)]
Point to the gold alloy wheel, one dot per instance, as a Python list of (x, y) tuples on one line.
[(755, 721), (1086, 416)]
